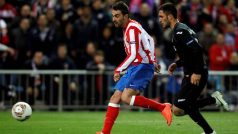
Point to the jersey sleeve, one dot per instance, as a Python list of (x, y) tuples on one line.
[(192, 48), (133, 39)]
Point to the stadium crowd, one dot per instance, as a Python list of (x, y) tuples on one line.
[(79, 34), (35, 29)]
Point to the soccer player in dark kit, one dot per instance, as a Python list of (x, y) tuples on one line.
[(190, 56)]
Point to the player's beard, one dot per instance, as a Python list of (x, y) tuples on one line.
[(165, 23), (117, 24)]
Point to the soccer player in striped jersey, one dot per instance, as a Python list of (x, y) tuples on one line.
[(140, 64)]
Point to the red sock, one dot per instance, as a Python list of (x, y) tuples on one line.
[(111, 115), (141, 101)]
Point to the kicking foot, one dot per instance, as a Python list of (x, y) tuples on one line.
[(167, 113), (219, 100), (214, 132)]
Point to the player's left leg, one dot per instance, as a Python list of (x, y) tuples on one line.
[(131, 97), (187, 101)]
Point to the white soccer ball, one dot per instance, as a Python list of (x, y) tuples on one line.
[(21, 111)]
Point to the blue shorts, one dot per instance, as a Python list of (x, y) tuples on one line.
[(137, 77)]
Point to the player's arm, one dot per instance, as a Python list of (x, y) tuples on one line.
[(173, 66), (134, 44)]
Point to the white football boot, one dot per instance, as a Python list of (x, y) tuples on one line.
[(219, 100)]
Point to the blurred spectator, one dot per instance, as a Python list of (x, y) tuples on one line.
[(205, 16), (36, 82), (109, 46), (190, 14), (7, 11), (219, 54), (101, 80), (231, 8), (87, 56), (25, 12), (53, 23), (222, 23), (85, 29), (99, 63), (148, 22), (63, 62), (220, 60), (65, 12), (99, 14), (20, 39), (38, 62), (134, 5), (41, 6), (67, 37), (43, 38), (207, 36), (230, 36), (216, 9)]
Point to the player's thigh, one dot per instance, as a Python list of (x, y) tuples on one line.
[(128, 93), (116, 97), (141, 76), (189, 92)]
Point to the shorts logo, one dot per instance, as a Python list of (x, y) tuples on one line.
[(131, 85), (179, 33), (181, 100)]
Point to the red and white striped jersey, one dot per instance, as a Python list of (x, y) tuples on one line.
[(139, 46)]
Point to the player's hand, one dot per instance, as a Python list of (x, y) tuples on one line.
[(195, 79), (171, 68), (157, 67), (116, 77)]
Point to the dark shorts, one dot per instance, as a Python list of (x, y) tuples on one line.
[(137, 77), (189, 93)]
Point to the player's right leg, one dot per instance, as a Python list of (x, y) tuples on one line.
[(131, 97), (214, 98), (187, 98), (220, 100), (112, 112)]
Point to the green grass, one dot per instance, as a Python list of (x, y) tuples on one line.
[(127, 123)]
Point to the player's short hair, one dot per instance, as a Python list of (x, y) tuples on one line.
[(121, 6), (169, 8)]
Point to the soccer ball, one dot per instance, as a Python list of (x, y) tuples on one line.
[(21, 111)]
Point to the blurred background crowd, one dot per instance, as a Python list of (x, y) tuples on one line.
[(79, 34)]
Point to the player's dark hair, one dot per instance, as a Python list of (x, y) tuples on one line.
[(121, 6), (169, 8)]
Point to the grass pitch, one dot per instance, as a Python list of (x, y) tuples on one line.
[(127, 123)]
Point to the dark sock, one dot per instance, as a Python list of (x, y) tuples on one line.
[(205, 102), (197, 117)]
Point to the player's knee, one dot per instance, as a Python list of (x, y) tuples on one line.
[(115, 98), (125, 98), (178, 111)]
